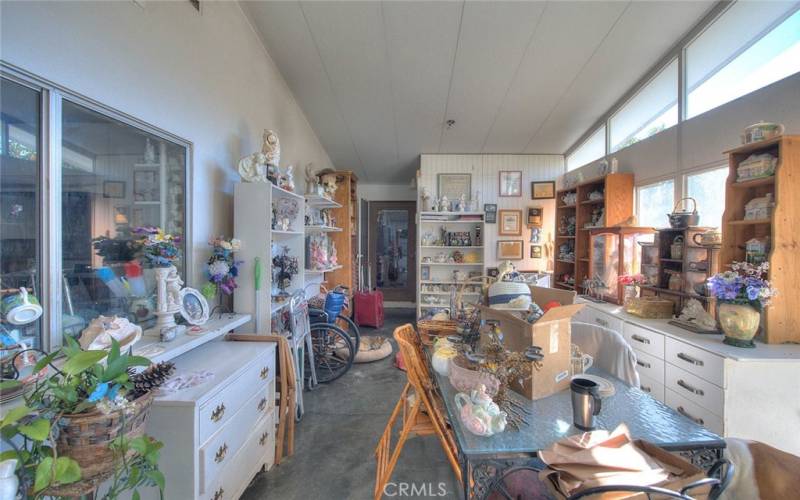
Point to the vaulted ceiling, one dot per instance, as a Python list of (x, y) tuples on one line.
[(378, 81)]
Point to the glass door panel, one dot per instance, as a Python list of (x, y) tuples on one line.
[(392, 245)]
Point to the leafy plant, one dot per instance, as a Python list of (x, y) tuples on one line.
[(87, 381)]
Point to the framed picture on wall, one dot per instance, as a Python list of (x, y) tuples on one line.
[(543, 190), (510, 182), (490, 209), (535, 217), (509, 250), (510, 223), (536, 251), (454, 185), (113, 189)]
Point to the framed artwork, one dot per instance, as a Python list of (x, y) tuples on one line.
[(146, 185), (492, 272), (535, 217), (194, 307), (425, 273), (509, 250), (113, 189), (511, 183), (536, 251), (454, 185), (490, 211), (543, 190), (510, 223)]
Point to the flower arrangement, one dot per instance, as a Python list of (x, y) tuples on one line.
[(222, 269), (745, 284), (116, 249), (284, 267), (160, 249), (632, 279)]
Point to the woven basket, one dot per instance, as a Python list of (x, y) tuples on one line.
[(86, 438), (430, 329)]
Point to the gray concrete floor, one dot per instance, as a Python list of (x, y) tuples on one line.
[(335, 442)]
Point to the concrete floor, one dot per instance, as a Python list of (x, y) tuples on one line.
[(335, 442)]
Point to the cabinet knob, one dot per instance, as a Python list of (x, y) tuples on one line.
[(221, 452), (690, 416), (218, 412), (262, 404), (263, 439), (264, 373), (640, 339), (218, 494), (689, 359)]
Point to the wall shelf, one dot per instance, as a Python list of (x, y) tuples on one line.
[(318, 201)]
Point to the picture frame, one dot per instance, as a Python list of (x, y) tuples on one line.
[(536, 251), (425, 273), (454, 185), (509, 250), (510, 183), (146, 185), (113, 189), (510, 223), (535, 216), (194, 307), (490, 213), (492, 272), (545, 190)]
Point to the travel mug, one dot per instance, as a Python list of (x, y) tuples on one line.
[(585, 403)]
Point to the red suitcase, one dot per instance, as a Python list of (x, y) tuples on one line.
[(369, 308)]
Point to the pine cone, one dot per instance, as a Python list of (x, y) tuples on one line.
[(150, 379)]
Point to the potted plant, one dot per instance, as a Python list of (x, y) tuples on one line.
[(221, 268), (81, 428), (743, 292)]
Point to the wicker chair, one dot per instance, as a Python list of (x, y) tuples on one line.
[(422, 416)]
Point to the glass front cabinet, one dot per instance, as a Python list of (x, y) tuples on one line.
[(614, 252)]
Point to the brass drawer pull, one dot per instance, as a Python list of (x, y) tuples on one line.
[(263, 439), (689, 416), (689, 359), (639, 338), (218, 412), (264, 373), (691, 389), (221, 452), (218, 494), (262, 404), (643, 364)]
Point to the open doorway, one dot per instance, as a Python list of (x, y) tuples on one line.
[(392, 249)]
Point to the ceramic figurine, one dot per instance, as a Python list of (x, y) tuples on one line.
[(311, 179), (462, 205), (271, 148), (329, 185), (253, 168), (695, 313), (287, 179), (425, 197), (479, 414), (168, 286), (435, 205), (444, 205)]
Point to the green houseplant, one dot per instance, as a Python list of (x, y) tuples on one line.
[(93, 392)]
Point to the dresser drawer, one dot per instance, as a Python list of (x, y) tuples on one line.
[(599, 318), (701, 392), (694, 412), (649, 366), (651, 387), (645, 340), (222, 447), (220, 408), (258, 450), (702, 363)]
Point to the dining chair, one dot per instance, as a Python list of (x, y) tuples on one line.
[(420, 408), (609, 349)]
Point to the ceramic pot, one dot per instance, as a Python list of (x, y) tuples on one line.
[(441, 360), (740, 323)]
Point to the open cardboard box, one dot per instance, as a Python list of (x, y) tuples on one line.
[(552, 333)]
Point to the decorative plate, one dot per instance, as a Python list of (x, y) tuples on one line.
[(194, 307)]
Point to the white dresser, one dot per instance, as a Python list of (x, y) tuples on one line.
[(219, 434), (745, 393)]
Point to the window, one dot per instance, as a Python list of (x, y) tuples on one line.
[(592, 148), (654, 202), (708, 188), (751, 45), (653, 109), (20, 207)]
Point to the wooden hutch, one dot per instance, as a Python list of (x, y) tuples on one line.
[(346, 241)]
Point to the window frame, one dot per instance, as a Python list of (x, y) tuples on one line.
[(584, 141), (676, 193), (685, 180), (52, 96)]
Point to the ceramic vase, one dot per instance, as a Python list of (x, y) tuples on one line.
[(740, 323)]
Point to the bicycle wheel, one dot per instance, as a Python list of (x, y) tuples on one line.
[(348, 326), (333, 352)]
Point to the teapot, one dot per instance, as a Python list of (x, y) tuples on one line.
[(479, 414), (441, 359), (709, 238)]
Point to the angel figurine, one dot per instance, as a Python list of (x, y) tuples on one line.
[(271, 147)]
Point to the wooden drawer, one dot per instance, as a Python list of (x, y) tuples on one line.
[(645, 340), (599, 318), (702, 363), (651, 387), (649, 366), (694, 412), (701, 392), (222, 447), (227, 402), (258, 451)]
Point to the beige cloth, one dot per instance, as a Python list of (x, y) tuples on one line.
[(610, 351), (600, 458)]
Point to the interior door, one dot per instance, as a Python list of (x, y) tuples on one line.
[(392, 249)]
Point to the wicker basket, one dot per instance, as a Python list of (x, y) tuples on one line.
[(649, 307), (86, 437), (430, 329)]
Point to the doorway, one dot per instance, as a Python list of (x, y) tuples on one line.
[(392, 249)]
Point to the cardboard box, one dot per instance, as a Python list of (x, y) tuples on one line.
[(552, 333)]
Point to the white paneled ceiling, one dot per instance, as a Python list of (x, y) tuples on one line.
[(379, 80)]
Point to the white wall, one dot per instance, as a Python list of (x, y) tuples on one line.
[(386, 192), (485, 170), (206, 78), (698, 143)]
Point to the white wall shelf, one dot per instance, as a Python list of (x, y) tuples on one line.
[(323, 229), (317, 201)]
